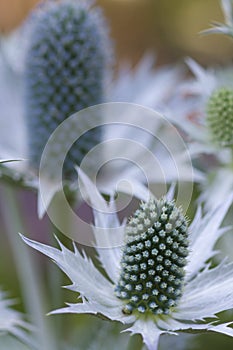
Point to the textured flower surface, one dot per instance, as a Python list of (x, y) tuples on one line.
[(220, 117), (158, 278), (65, 69), (11, 321)]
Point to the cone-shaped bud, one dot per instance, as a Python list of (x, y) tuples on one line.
[(153, 260), (65, 72)]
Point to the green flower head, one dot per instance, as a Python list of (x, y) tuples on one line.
[(220, 117)]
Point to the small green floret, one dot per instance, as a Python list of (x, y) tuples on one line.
[(154, 256), (220, 117)]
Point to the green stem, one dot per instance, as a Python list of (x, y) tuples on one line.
[(135, 343), (55, 286), (28, 272)]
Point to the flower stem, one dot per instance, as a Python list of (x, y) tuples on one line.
[(135, 343), (28, 272)]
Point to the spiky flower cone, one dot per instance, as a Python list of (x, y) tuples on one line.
[(154, 256), (220, 117), (65, 72)]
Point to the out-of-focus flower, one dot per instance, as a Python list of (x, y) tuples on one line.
[(195, 102), (203, 110), (46, 97), (65, 70), (158, 278)]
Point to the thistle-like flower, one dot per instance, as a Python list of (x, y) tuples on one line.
[(158, 280)]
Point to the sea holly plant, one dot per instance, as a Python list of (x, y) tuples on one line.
[(158, 274)]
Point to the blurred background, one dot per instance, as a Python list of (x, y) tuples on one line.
[(170, 30)]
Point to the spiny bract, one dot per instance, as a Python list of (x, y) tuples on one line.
[(65, 72), (220, 117), (154, 256)]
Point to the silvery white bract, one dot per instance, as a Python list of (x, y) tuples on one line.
[(11, 321), (11, 97), (206, 291), (145, 85), (227, 27), (106, 335)]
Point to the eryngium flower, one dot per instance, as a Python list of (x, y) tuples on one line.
[(203, 291), (65, 73)]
